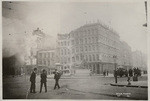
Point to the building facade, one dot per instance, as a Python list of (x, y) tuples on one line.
[(139, 60), (93, 46), (63, 51), (46, 60)]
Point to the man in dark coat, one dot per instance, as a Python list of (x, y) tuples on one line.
[(43, 80), (130, 72), (32, 80), (56, 77)]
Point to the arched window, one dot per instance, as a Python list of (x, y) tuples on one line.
[(89, 48), (93, 39), (93, 57), (96, 39), (90, 58), (48, 62), (86, 48), (77, 49), (61, 43), (89, 40), (81, 41), (68, 51), (65, 51), (85, 40), (93, 47), (77, 57), (85, 32), (68, 60), (81, 48), (81, 57), (97, 57), (73, 59), (61, 51), (88, 32), (93, 31)]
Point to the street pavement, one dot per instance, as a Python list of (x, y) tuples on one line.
[(76, 87)]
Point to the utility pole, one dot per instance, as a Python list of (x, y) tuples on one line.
[(145, 25)]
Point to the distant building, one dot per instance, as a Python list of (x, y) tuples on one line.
[(93, 46), (46, 60), (139, 60), (63, 51)]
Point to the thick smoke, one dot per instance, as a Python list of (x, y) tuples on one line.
[(16, 40)]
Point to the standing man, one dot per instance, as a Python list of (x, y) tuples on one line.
[(56, 77), (104, 73), (43, 80), (33, 80), (130, 72)]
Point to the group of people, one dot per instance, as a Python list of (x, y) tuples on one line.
[(124, 72), (43, 76), (105, 73), (134, 72)]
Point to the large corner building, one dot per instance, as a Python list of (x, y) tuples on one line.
[(93, 46)]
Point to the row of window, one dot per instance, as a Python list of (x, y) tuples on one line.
[(79, 41), (45, 62), (88, 48), (90, 57), (46, 55), (79, 49), (84, 32), (64, 43)]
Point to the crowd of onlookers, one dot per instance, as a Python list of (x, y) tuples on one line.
[(124, 72)]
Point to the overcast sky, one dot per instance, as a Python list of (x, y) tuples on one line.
[(61, 17)]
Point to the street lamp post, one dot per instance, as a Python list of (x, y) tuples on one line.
[(115, 73)]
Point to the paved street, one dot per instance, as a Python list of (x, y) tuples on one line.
[(85, 87)]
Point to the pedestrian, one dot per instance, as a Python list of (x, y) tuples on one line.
[(56, 77), (130, 72), (43, 80), (107, 73), (129, 80), (33, 80), (104, 73), (134, 70), (90, 72)]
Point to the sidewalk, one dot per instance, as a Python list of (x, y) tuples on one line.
[(140, 84), (94, 87)]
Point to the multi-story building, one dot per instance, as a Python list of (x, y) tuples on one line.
[(64, 52), (139, 60), (125, 55), (93, 46), (46, 60)]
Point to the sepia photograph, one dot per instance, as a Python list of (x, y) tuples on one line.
[(73, 50)]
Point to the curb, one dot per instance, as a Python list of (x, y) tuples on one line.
[(119, 85)]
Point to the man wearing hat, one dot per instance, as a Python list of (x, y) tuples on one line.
[(43, 80), (33, 80), (56, 77)]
